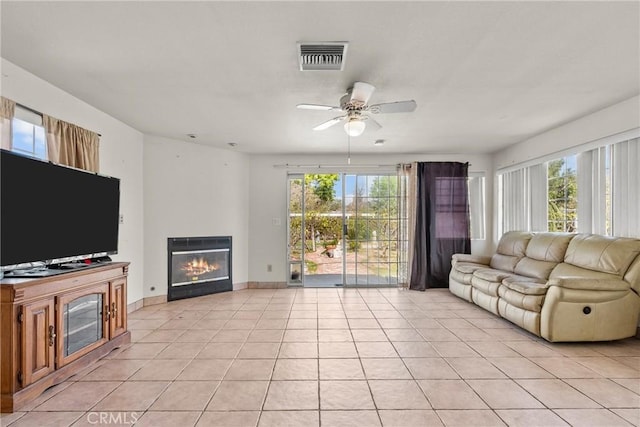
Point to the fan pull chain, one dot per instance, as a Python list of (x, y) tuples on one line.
[(348, 149)]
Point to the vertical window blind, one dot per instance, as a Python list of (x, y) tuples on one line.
[(523, 198), (593, 192), (625, 184)]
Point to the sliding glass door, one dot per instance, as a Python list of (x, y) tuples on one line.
[(316, 225), (373, 230), (344, 230)]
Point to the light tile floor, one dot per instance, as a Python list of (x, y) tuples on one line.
[(342, 357)]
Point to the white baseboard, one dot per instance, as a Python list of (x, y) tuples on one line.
[(267, 285), (160, 299), (241, 285), (136, 305)]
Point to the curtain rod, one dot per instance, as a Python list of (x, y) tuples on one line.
[(336, 166), (39, 113), (342, 166)]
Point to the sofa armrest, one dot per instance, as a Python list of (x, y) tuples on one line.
[(590, 284), (476, 259)]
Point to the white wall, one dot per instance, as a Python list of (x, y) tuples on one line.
[(268, 195), (617, 118), (192, 190), (120, 156)]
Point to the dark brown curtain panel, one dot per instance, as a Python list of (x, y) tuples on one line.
[(442, 222)]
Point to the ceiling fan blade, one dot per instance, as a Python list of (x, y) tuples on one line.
[(329, 123), (362, 92), (318, 107), (372, 123), (394, 107)]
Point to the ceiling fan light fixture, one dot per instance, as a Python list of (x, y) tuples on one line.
[(354, 127)]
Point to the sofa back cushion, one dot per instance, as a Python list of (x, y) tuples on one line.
[(533, 268), (549, 246), (511, 249), (569, 270), (543, 253), (611, 255)]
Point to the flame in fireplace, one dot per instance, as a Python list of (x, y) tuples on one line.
[(198, 266)]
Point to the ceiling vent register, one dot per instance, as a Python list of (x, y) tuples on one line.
[(322, 56)]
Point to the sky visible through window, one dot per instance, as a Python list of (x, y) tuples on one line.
[(353, 184), (28, 138), (350, 187)]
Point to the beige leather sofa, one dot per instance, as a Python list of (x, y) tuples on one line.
[(560, 286)]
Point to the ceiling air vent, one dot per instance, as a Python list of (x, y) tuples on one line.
[(322, 56)]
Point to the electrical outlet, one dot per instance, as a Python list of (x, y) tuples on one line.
[(269, 268), (121, 219)]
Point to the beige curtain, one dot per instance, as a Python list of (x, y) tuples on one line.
[(409, 186), (71, 145), (7, 110)]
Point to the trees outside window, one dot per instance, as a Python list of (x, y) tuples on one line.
[(563, 194)]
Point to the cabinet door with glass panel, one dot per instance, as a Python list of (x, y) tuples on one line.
[(82, 322)]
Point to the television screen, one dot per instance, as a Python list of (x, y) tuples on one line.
[(49, 212)]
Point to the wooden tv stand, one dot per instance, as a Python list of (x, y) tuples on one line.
[(34, 353)]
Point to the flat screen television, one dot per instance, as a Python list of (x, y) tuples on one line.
[(52, 213)]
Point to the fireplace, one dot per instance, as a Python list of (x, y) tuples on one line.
[(199, 266)]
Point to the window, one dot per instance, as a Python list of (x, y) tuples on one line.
[(595, 191), (476, 183), (451, 208), (562, 194), (624, 206), (27, 134), (523, 195), (592, 191)]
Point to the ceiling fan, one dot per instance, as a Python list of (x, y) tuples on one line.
[(355, 103)]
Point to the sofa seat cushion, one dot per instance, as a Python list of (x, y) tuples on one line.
[(530, 302), (526, 287), (468, 267), (460, 277), (487, 280), (491, 275), (462, 271)]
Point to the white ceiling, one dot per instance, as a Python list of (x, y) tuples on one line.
[(484, 74)]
